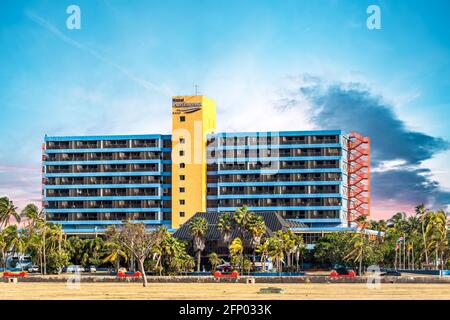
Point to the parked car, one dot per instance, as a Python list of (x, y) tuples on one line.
[(74, 268), (33, 268), (343, 272), (391, 273), (226, 267), (90, 268)]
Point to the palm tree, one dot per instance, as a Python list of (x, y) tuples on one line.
[(114, 252), (236, 252), (436, 229), (360, 245), (380, 226), (225, 226), (198, 227), (241, 217), (257, 228), (214, 260), (412, 228), (8, 239), (299, 249), (7, 211), (422, 214), (288, 238), (263, 250), (37, 226), (358, 251), (93, 247), (276, 252)]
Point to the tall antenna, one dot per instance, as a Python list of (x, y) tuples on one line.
[(196, 89)]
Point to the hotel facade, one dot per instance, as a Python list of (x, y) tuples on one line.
[(318, 179)]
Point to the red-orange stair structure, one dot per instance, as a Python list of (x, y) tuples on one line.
[(358, 176)]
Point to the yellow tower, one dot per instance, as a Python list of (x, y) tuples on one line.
[(193, 117)]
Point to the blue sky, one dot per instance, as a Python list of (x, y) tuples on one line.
[(116, 76)]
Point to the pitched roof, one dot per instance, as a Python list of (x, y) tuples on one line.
[(273, 221)]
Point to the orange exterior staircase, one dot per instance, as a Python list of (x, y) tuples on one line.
[(358, 176)]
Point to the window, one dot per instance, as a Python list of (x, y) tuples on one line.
[(182, 141), (182, 165), (181, 152), (182, 177), (182, 201), (182, 118), (182, 190), (181, 213)]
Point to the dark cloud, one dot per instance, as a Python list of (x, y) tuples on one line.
[(352, 107), (408, 186)]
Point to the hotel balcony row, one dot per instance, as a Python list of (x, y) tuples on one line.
[(232, 139), (311, 189), (219, 155), (107, 156), (109, 204), (86, 168), (310, 164), (310, 214), (121, 180), (107, 192), (105, 216), (100, 144), (276, 202), (279, 177)]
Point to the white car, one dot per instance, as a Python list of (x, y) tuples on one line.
[(32, 269), (73, 269)]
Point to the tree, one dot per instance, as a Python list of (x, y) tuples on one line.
[(198, 227), (256, 228), (214, 260), (77, 251), (436, 231), (7, 212), (236, 249), (360, 243), (8, 238), (299, 249), (380, 226), (263, 250), (137, 240), (359, 248), (241, 218), (93, 248), (422, 214), (276, 252), (332, 248), (247, 265), (225, 226), (37, 226), (114, 252)]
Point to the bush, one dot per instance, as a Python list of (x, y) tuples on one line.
[(56, 261)]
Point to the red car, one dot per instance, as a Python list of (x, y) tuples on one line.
[(219, 274), (129, 274), (343, 273)]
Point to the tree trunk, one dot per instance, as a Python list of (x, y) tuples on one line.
[(117, 264), (395, 260), (289, 260), (198, 260), (360, 265), (425, 245), (142, 270), (44, 253)]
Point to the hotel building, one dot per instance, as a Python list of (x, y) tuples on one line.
[(318, 179)]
